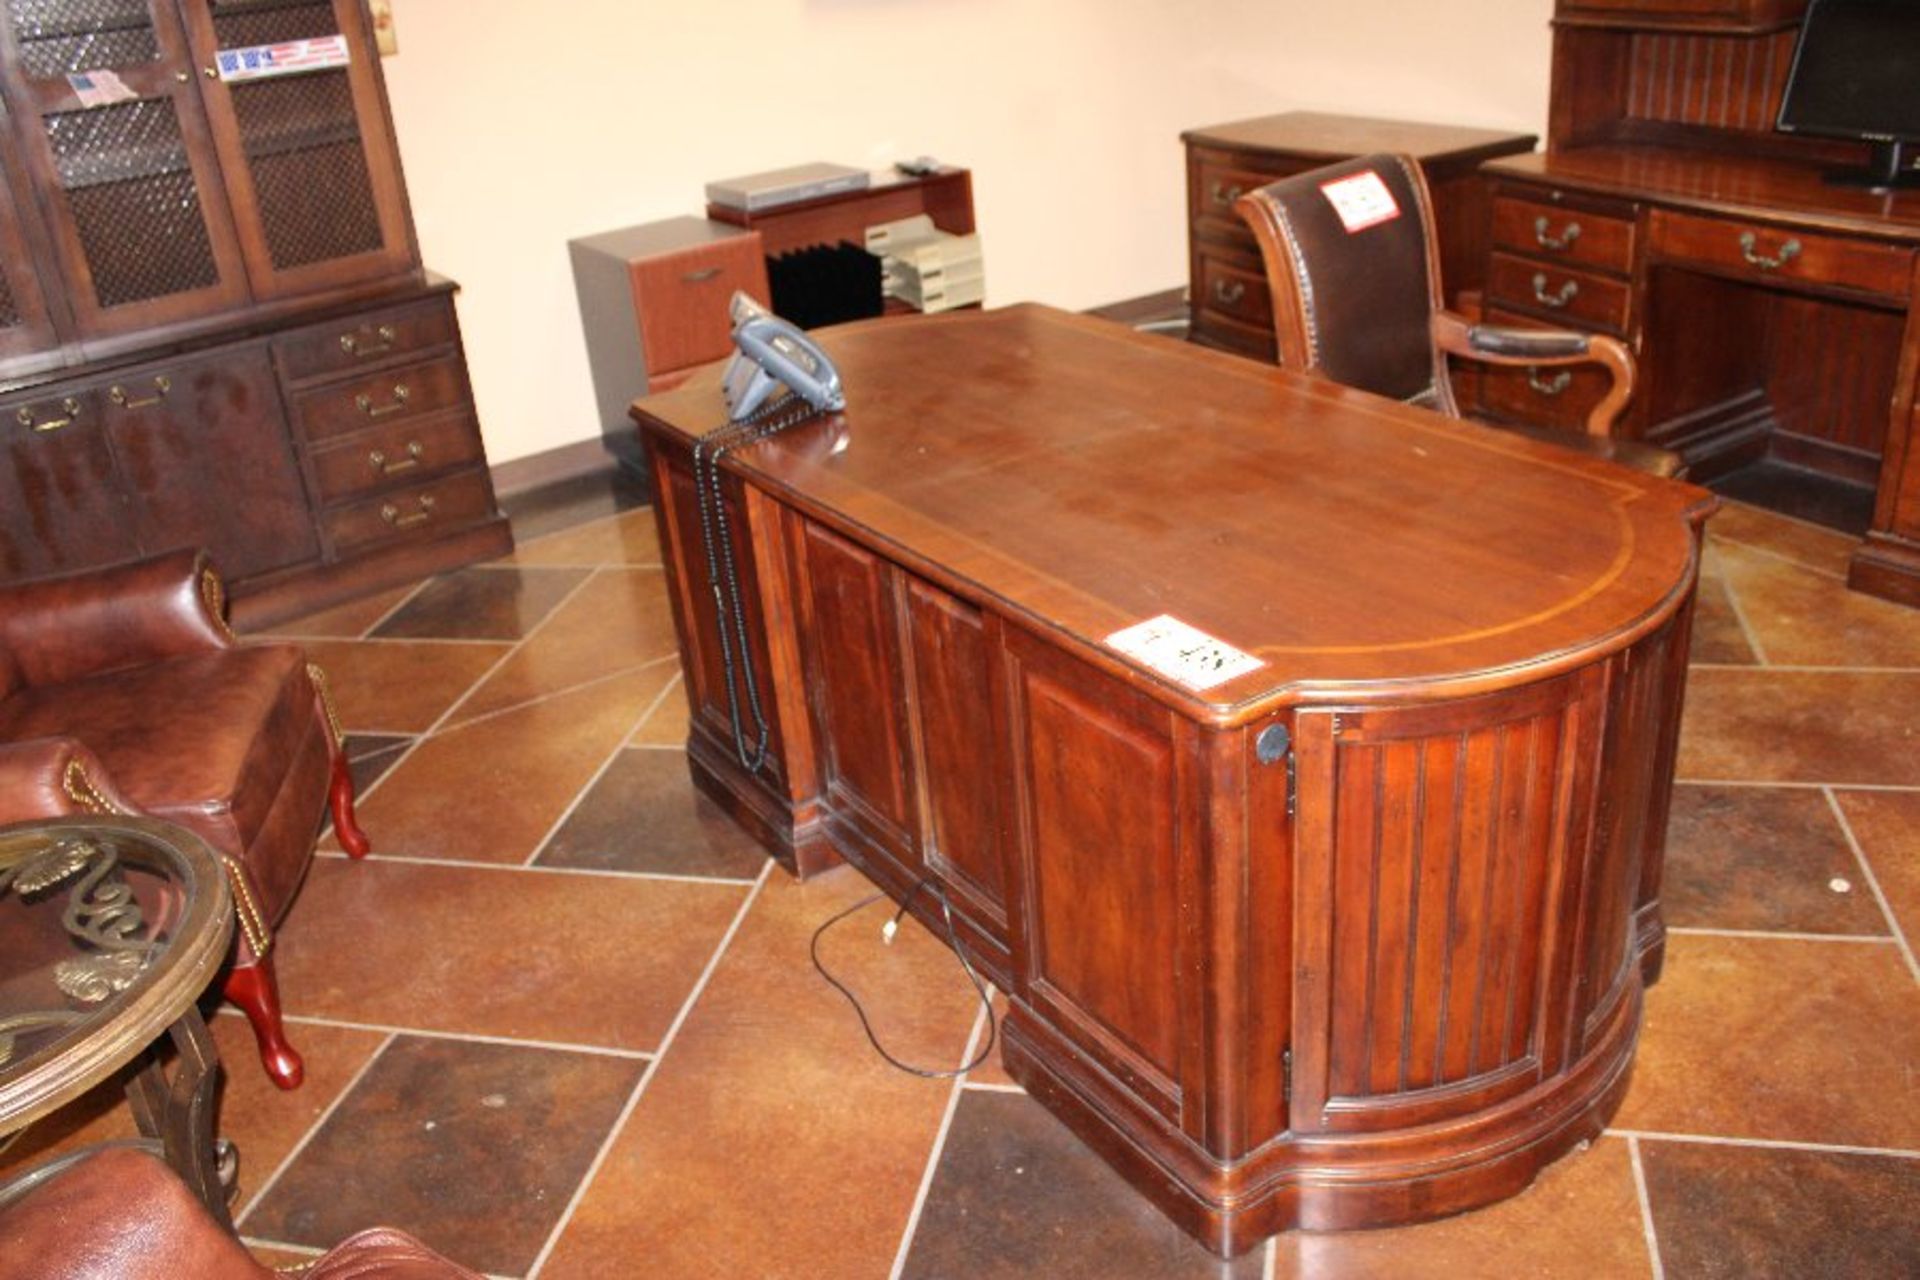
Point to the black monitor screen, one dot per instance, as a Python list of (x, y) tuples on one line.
[(1856, 71)]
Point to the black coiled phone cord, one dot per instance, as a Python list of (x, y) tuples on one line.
[(716, 538)]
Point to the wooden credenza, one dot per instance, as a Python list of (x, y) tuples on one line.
[(214, 325), (1356, 937), (1227, 286), (1773, 314)]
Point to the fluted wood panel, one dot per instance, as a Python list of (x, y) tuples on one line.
[(1726, 82), (1830, 370)]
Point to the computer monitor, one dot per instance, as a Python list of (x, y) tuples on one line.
[(1856, 74)]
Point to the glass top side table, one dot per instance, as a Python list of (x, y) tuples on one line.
[(110, 930)]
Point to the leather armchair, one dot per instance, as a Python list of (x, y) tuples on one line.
[(1361, 306), (123, 691), (122, 1213)]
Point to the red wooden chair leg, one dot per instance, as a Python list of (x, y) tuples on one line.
[(346, 827), (255, 989)]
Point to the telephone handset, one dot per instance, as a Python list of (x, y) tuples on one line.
[(773, 353)]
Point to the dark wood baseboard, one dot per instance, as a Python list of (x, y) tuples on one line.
[(551, 466)]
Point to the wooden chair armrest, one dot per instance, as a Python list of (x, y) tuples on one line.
[(1504, 345), (62, 629)]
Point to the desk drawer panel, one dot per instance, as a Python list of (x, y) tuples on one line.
[(399, 453), (412, 391), (1578, 237), (1577, 298), (1234, 292), (1764, 253), (358, 341), (1545, 396), (420, 511), (1221, 178)]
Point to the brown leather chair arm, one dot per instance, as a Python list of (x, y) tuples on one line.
[(120, 1213), (387, 1254), (51, 777), (62, 629), (1498, 344)]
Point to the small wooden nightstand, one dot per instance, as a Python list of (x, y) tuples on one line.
[(1228, 285)]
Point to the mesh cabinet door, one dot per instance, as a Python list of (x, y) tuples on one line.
[(299, 116), (137, 216)]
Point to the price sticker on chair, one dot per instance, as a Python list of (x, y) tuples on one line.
[(1361, 201), (1183, 653)]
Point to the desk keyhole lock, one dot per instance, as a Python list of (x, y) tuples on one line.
[(1273, 746)]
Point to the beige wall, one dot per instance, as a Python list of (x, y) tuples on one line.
[(524, 125)]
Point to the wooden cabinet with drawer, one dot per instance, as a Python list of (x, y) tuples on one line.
[(1227, 283)]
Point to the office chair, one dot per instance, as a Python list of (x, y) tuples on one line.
[(1353, 269)]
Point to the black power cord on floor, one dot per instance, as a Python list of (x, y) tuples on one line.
[(929, 884)]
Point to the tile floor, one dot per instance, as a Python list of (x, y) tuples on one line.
[(562, 1023)]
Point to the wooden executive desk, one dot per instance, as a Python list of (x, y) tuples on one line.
[(1378, 967)]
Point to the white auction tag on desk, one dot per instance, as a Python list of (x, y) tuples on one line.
[(1187, 654), (1362, 201), (290, 58)]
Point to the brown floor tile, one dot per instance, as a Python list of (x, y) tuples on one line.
[(577, 500), (1763, 858), (473, 1148), (348, 621), (482, 604), (1745, 1212), (1017, 1195), (569, 959), (617, 621), (644, 815), (1581, 1218), (492, 790), (1805, 618), (771, 1140), (262, 1122), (370, 755), (1827, 550), (1801, 726), (666, 724), (629, 538), (1887, 825), (279, 1259), (1783, 1040), (1717, 633), (399, 686)]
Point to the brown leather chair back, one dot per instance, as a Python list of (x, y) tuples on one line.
[(1354, 277)]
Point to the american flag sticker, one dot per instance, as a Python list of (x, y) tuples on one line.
[(291, 58)]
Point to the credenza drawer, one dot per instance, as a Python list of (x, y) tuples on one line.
[(362, 340), (418, 511), (1579, 237), (1546, 395), (1234, 292), (1766, 253), (395, 454), (411, 391), (1579, 298), (1221, 178)]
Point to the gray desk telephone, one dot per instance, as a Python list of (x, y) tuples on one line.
[(773, 353)]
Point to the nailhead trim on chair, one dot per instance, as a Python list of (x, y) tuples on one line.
[(80, 789), (319, 678), (214, 594)]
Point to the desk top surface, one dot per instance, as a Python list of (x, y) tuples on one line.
[(1336, 137), (1082, 478), (1724, 183)]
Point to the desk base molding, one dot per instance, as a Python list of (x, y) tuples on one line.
[(1886, 567)]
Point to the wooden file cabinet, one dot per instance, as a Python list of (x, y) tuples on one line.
[(1227, 285)]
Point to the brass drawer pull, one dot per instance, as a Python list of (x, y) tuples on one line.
[(161, 385), (700, 276), (365, 404), (1224, 195), (1227, 293), (380, 462), (361, 348), (391, 514), (1788, 252), (69, 405), (1549, 386), (1557, 243), (1567, 293)]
